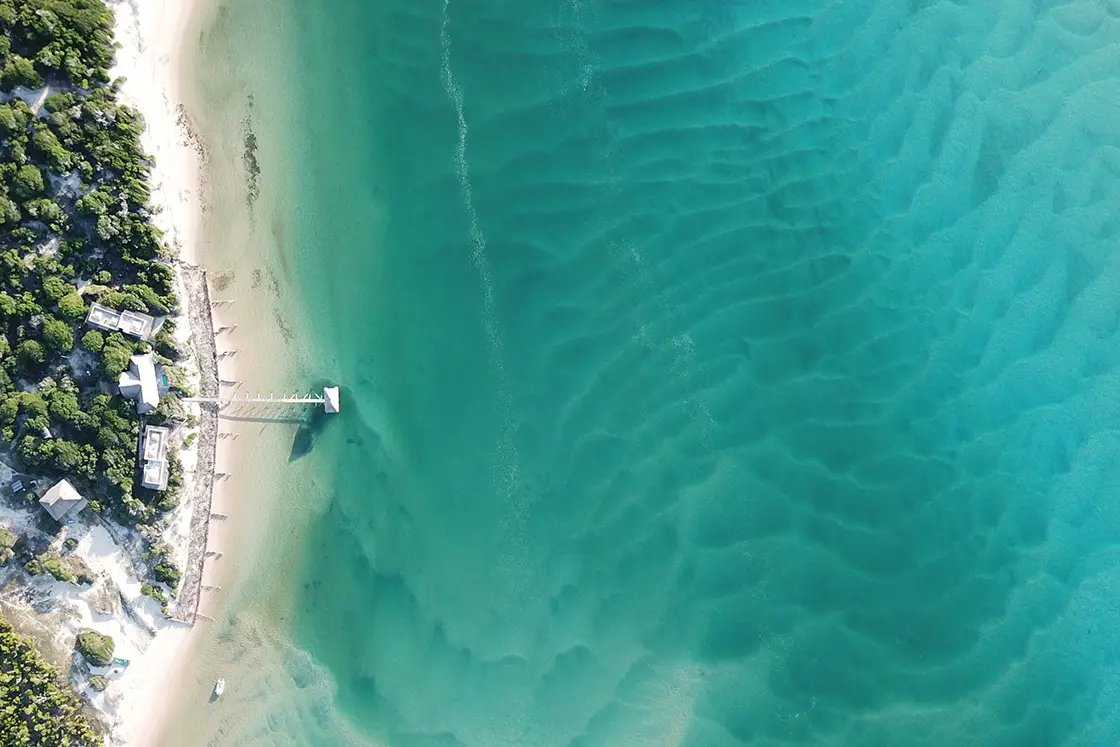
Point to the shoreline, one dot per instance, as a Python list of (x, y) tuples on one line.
[(156, 55), (204, 199)]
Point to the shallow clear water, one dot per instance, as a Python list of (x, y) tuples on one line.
[(717, 373)]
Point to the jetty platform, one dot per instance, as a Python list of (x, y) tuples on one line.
[(328, 399)]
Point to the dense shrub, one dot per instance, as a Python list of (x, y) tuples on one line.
[(114, 356), (167, 573), (71, 569), (55, 287), (36, 710), (57, 335), (157, 594), (30, 355), (8, 540), (96, 648), (93, 341), (72, 306)]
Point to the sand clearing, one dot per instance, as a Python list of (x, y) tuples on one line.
[(152, 644)]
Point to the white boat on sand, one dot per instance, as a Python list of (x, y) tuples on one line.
[(219, 687)]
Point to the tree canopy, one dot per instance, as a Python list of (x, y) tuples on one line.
[(74, 198), (36, 710)]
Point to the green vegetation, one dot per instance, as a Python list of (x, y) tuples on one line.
[(93, 341), (93, 442), (8, 540), (99, 683), (75, 227), (96, 648), (74, 205), (159, 555), (155, 593), (36, 710), (71, 569), (168, 574)]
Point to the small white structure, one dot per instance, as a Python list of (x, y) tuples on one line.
[(330, 399), (154, 468), (103, 317), (63, 502), (139, 382), (130, 322)]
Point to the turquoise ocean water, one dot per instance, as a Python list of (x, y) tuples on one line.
[(717, 373)]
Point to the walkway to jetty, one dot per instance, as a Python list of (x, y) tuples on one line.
[(295, 400), (329, 399)]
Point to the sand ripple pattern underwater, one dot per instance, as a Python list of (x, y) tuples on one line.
[(749, 376)]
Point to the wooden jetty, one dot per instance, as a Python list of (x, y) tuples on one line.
[(328, 399)]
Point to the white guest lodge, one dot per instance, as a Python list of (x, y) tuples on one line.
[(141, 383), (154, 455), (63, 502), (130, 322)]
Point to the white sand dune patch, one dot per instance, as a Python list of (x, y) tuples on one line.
[(144, 637), (146, 643)]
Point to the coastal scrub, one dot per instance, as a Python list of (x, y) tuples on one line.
[(157, 594), (8, 540), (35, 709), (70, 569), (75, 227), (96, 648)]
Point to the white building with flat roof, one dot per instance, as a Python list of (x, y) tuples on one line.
[(154, 467), (130, 322), (154, 475), (139, 382), (155, 443)]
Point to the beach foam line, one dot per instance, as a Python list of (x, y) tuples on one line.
[(462, 171), (508, 478)]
